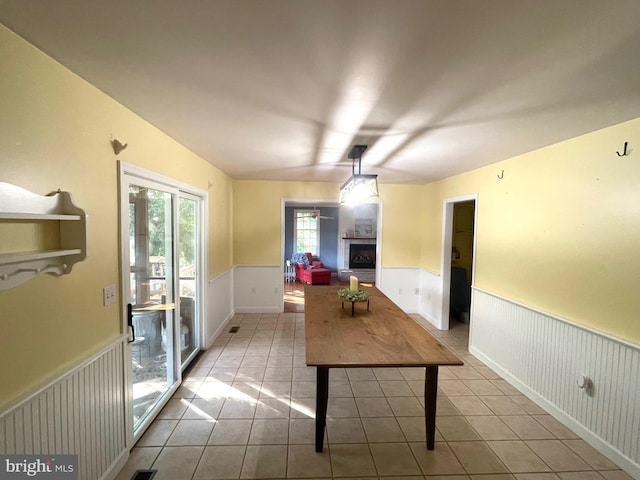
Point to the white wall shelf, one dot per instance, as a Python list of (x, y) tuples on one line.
[(36, 216), (22, 206)]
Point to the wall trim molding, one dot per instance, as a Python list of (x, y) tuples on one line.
[(82, 411), (401, 268), (220, 293), (586, 328), (220, 275), (426, 270), (255, 265), (603, 447), (54, 379), (116, 467), (212, 338), (542, 355), (430, 297), (400, 284), (258, 288), (430, 319), (259, 310)]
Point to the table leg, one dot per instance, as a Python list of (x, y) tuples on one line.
[(322, 397), (430, 396)]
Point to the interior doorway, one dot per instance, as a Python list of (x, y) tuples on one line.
[(339, 226), (308, 225), (458, 259)]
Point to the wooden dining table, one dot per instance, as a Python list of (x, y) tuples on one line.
[(382, 336)]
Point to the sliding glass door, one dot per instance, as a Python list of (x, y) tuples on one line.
[(189, 273), (151, 307), (162, 262)]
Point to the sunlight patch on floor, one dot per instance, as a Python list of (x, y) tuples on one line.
[(294, 296)]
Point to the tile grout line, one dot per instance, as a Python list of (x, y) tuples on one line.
[(288, 335)]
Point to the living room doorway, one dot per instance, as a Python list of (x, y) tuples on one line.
[(339, 226), (307, 225)]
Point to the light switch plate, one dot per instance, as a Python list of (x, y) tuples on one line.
[(109, 295)]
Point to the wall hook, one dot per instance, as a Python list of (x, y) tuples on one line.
[(501, 176), (624, 152), (117, 146)]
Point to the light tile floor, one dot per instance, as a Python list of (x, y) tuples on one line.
[(246, 410)]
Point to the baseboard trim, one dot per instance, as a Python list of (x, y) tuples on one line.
[(115, 468), (212, 338), (259, 310), (542, 355), (596, 442), (82, 412)]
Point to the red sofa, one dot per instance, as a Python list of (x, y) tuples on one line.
[(313, 274)]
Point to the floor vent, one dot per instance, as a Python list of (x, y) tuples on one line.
[(144, 474), (234, 329)]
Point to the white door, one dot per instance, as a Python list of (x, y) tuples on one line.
[(162, 265)]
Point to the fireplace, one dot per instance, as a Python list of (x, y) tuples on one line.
[(362, 256)]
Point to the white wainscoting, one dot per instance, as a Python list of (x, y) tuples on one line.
[(80, 413), (542, 356), (219, 305), (430, 301), (258, 288), (400, 284)]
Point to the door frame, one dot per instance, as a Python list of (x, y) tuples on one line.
[(294, 202), (201, 281), (126, 173), (447, 243)]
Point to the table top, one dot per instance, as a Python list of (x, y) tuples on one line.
[(384, 336)]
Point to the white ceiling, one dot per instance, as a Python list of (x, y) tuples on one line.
[(282, 89)]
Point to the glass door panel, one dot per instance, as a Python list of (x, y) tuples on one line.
[(162, 237), (188, 279), (152, 300)]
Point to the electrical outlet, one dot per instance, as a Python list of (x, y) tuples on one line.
[(275, 290), (253, 290), (109, 295), (399, 291), (417, 291)]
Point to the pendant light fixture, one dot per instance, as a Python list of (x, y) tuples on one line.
[(360, 187)]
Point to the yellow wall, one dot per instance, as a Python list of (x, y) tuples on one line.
[(55, 131), (560, 232), (403, 208), (257, 216)]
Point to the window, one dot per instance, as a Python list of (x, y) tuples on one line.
[(307, 231)]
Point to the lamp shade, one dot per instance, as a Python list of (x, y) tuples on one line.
[(359, 188)]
